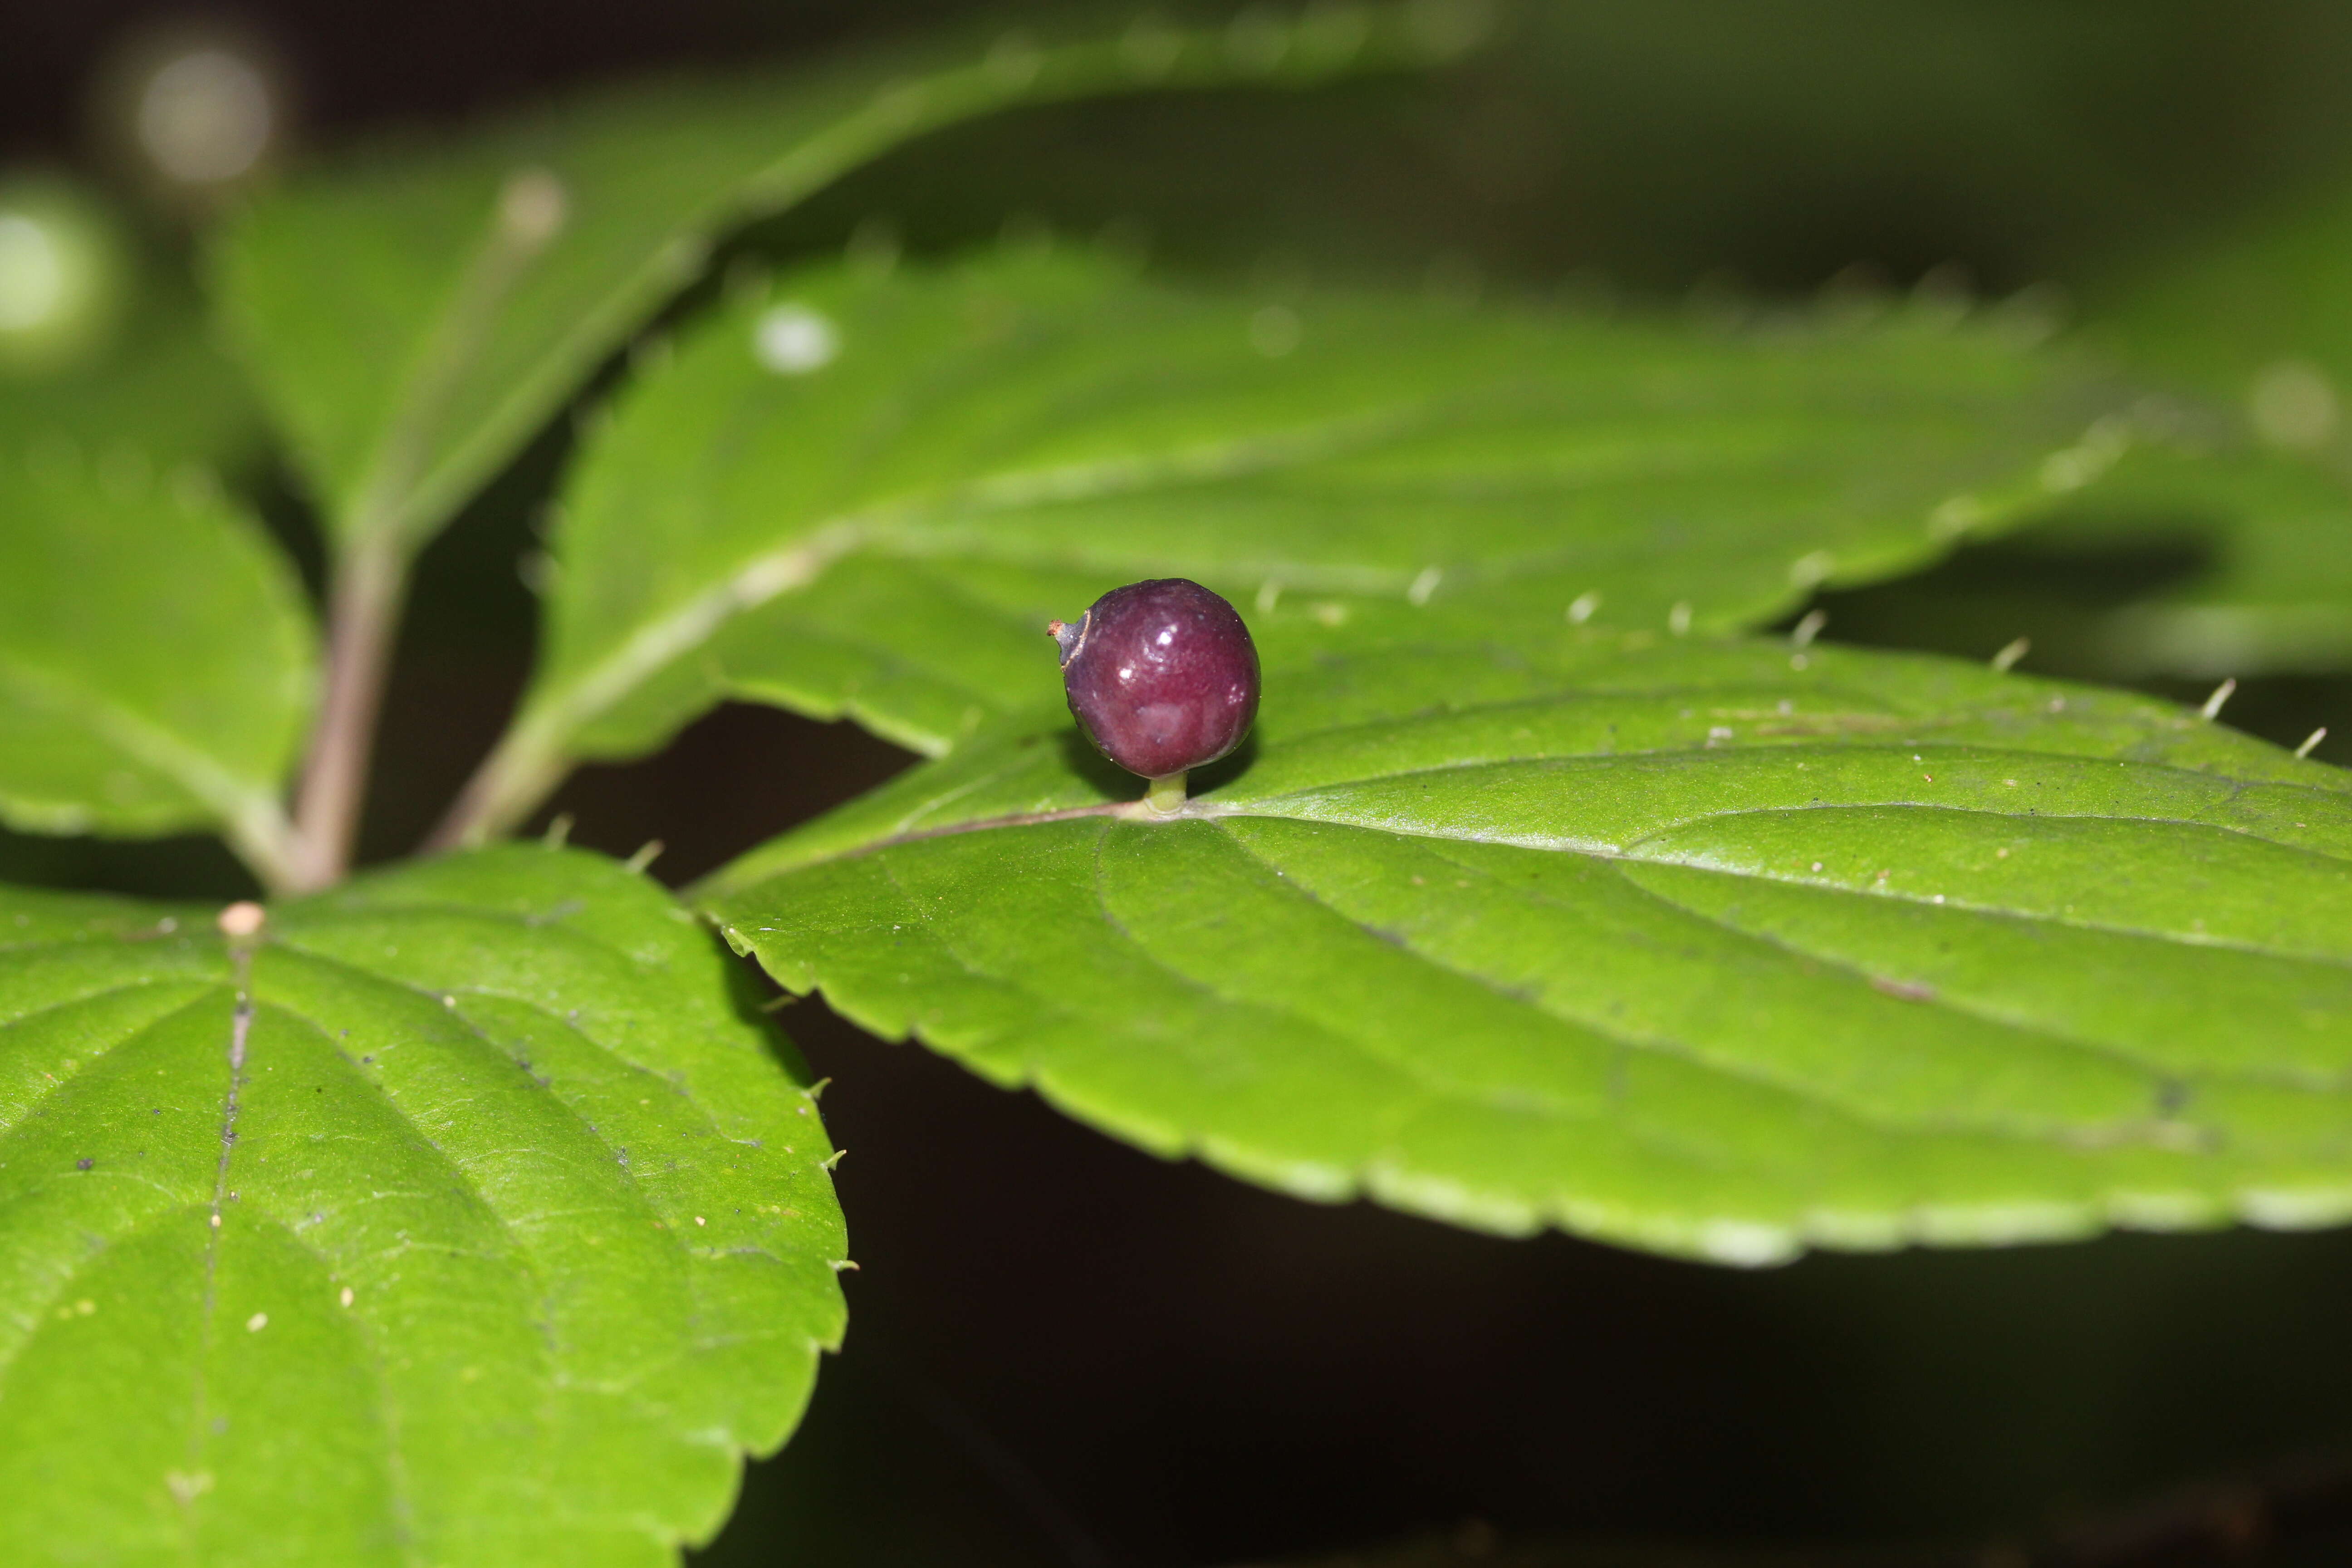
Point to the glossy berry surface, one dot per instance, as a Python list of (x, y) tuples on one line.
[(1161, 676)]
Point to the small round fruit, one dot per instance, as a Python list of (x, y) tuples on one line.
[(1161, 676)]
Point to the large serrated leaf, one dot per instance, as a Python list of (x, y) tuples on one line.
[(413, 316), (155, 657), (462, 1216), (1715, 949), (867, 494)]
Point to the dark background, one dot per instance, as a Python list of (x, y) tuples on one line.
[(1065, 1353)]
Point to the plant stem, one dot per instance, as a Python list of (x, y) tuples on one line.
[(363, 610), (522, 771), (1166, 796)]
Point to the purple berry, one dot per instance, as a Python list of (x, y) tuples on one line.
[(1162, 675)]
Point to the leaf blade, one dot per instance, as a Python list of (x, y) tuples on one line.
[(438, 1316), (883, 531), (467, 293), (1679, 947), (155, 658)]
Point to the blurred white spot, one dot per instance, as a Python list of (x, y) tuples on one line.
[(2065, 471), (1581, 608), (533, 205), (1956, 515), (1745, 1244), (32, 273), (1275, 331), (2292, 404), (255, 1323), (793, 340), (1808, 627), (347, 1296), (1425, 584), (1811, 568), (2087, 459), (1679, 619), (206, 117)]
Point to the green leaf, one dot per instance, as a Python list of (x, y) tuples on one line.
[(462, 1216), (413, 315), (141, 375), (882, 525), (2268, 291), (163, 393), (2277, 592), (2257, 323), (1715, 949), (155, 658)]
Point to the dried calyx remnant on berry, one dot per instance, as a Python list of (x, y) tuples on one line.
[(1162, 677)]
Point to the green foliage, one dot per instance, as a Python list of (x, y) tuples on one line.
[(2272, 589), (1713, 949), (155, 659), (466, 1214), (462, 1216), (865, 492), (62, 265), (162, 391), (2255, 323), (141, 376), (415, 316)]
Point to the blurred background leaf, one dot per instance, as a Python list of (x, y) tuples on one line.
[(102, 347), (156, 662), (413, 315)]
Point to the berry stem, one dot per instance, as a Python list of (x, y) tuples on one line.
[(1166, 796)]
